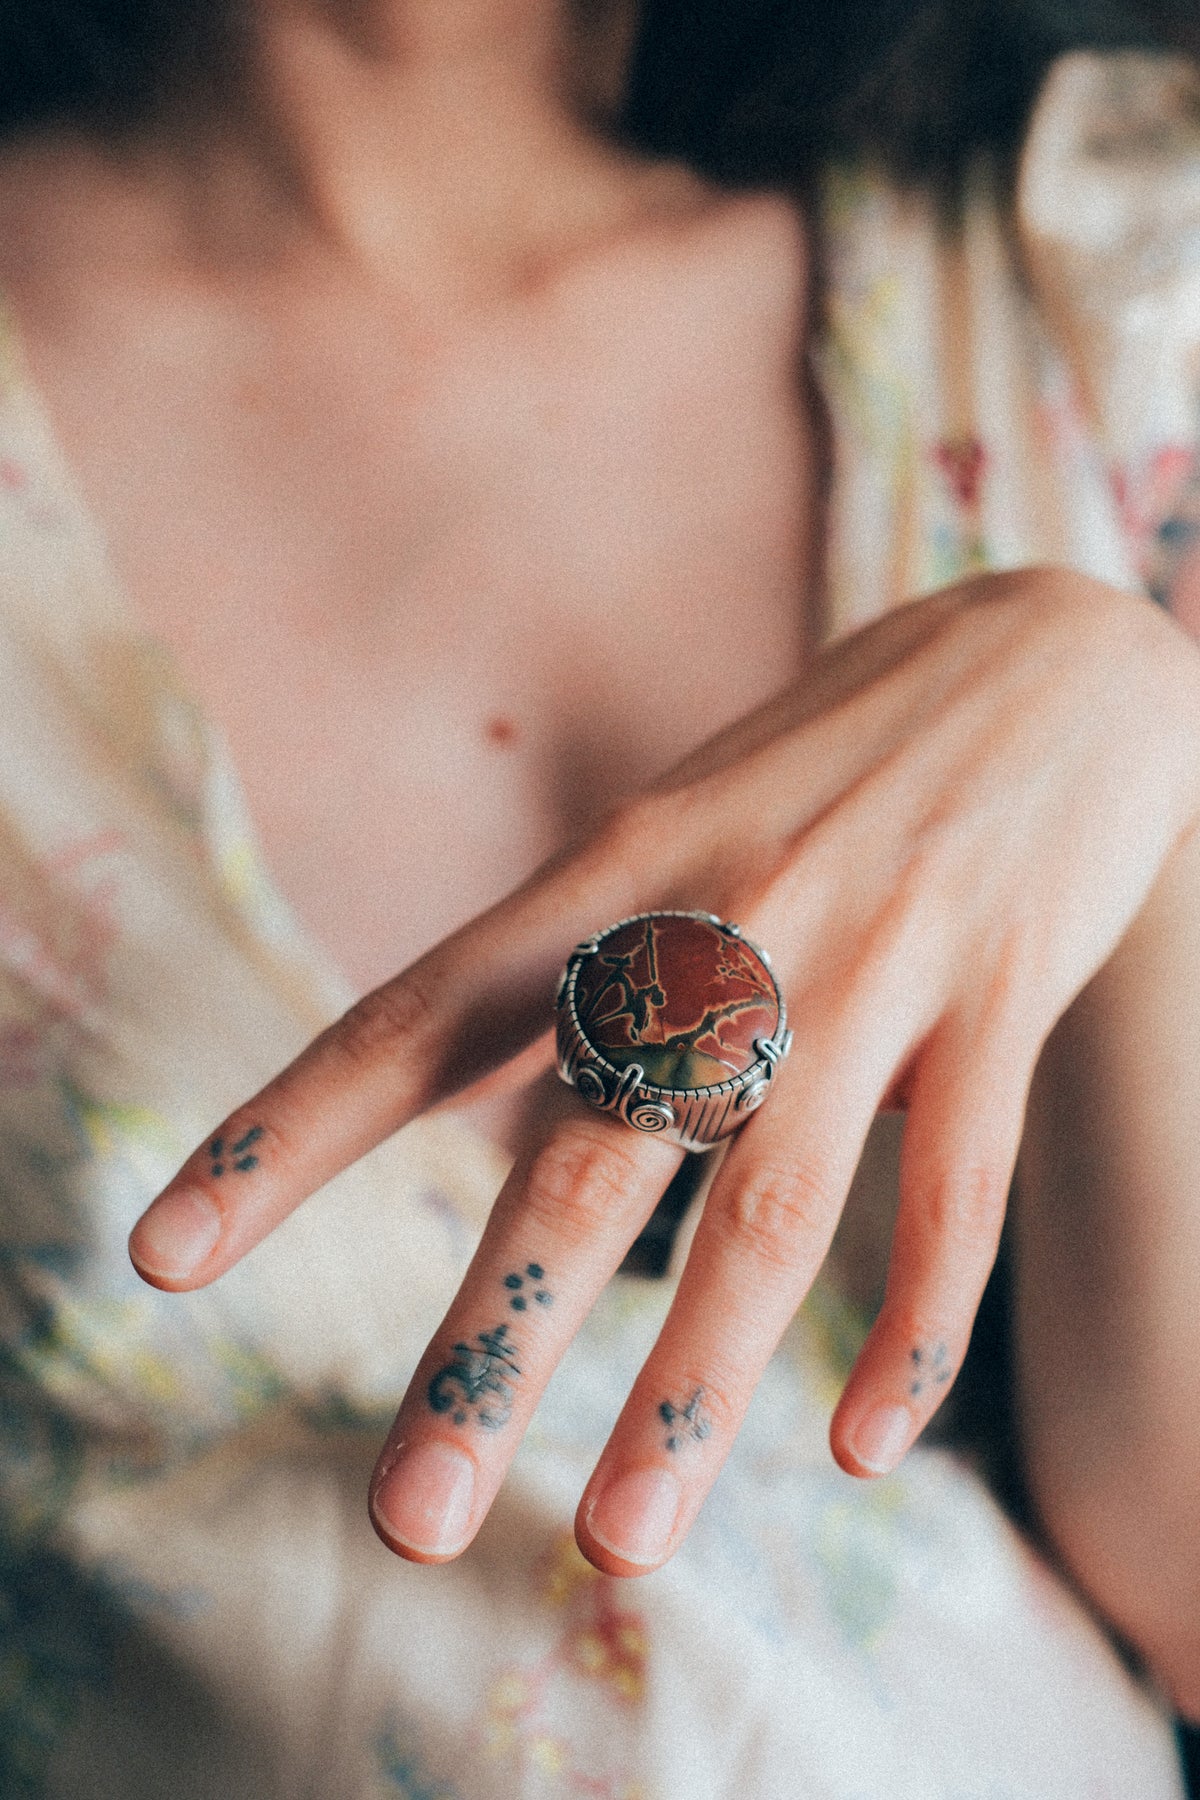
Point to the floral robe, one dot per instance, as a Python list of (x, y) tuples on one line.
[(193, 1602)]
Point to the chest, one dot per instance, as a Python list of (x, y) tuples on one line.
[(448, 596)]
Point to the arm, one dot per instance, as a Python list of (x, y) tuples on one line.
[(1107, 1233)]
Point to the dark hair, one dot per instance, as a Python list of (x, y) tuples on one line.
[(108, 64), (765, 92), (750, 91)]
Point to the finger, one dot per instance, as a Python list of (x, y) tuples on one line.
[(557, 1233), (469, 1005), (960, 1147), (764, 1232)]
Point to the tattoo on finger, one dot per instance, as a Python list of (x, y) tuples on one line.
[(686, 1423), (931, 1368), (528, 1286), (238, 1155), (479, 1380)]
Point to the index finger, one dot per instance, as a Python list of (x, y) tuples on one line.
[(470, 1004)]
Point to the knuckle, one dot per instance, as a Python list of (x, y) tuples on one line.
[(1084, 616), (633, 831), (656, 832), (400, 1013), (1037, 587), (1093, 617), (580, 1183), (778, 1210), (883, 958), (1008, 999), (964, 1208), (887, 948)]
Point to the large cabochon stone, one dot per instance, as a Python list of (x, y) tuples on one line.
[(680, 997)]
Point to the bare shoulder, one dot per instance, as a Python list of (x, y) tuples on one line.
[(743, 256), (757, 243)]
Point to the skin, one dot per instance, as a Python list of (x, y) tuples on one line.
[(937, 896), (943, 829), (1107, 1239), (449, 455)]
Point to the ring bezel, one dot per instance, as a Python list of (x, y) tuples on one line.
[(695, 1118)]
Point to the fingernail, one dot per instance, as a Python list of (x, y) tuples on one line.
[(881, 1438), (634, 1516), (424, 1501), (173, 1238)]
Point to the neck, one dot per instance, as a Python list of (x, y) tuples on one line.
[(441, 143), (431, 127)]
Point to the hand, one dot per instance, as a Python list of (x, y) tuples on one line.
[(940, 834)]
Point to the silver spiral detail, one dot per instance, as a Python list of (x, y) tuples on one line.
[(589, 1085), (650, 1115)]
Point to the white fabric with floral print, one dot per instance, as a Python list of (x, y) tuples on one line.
[(196, 1604)]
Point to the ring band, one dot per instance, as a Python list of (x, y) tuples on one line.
[(674, 1022)]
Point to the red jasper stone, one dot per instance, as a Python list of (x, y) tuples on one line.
[(679, 996)]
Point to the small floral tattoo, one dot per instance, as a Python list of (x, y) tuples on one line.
[(931, 1368), (237, 1156), (478, 1381), (521, 1294)]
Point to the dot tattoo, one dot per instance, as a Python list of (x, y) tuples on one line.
[(685, 1424), (478, 1381), (237, 1156), (931, 1368), (516, 1284)]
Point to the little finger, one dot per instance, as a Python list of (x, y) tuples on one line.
[(961, 1139)]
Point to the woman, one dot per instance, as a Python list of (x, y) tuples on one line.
[(424, 428)]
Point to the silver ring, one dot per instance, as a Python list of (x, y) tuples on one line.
[(674, 1022)]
